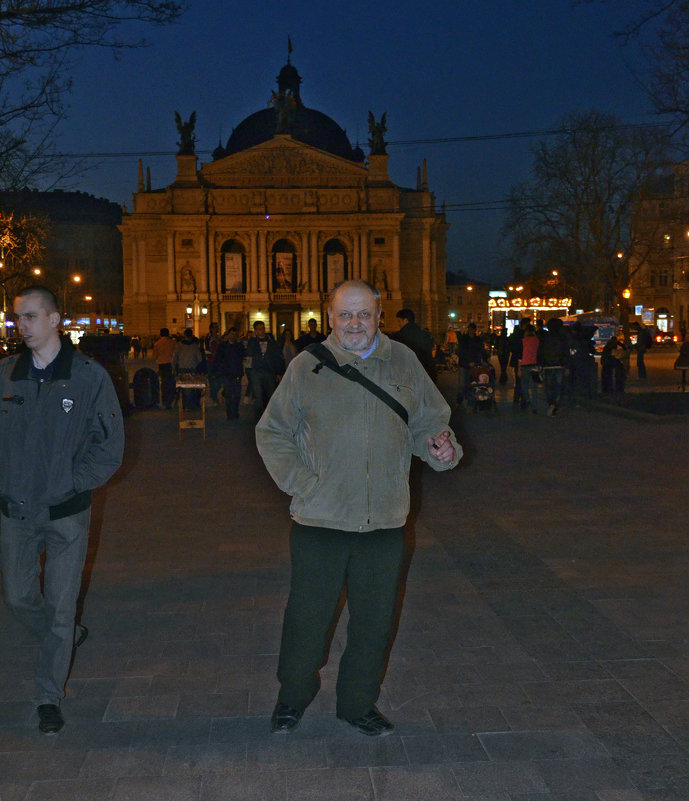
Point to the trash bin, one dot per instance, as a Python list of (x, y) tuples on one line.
[(146, 390)]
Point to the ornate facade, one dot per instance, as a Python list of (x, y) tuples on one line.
[(273, 222)]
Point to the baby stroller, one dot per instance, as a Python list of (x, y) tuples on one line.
[(482, 387)]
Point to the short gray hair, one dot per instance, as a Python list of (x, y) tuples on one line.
[(355, 283)]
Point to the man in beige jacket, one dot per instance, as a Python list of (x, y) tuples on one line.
[(343, 454)]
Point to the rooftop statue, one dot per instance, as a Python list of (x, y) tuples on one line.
[(187, 138), (284, 104), (377, 130)]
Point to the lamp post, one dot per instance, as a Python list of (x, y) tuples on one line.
[(75, 279), (4, 295)]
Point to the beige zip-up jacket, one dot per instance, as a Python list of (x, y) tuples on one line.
[(338, 450)]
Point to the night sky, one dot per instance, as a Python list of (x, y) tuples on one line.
[(441, 70)]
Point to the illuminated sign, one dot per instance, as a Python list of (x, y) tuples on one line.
[(530, 303)]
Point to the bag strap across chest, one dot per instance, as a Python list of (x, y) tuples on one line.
[(326, 358)]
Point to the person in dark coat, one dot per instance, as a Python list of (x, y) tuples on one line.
[(415, 338), (613, 372), (227, 368), (312, 337), (553, 355), (267, 364)]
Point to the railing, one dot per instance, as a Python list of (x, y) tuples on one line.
[(284, 297), (236, 297)]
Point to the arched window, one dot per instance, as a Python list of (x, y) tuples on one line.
[(335, 267), (284, 266), (232, 267)]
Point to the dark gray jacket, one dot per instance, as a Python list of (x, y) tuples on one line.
[(59, 439)]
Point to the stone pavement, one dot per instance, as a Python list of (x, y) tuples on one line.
[(542, 651)]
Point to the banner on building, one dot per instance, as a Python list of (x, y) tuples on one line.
[(336, 268), (234, 280), (284, 266)]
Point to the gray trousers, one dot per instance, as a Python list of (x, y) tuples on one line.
[(50, 614), (323, 562)]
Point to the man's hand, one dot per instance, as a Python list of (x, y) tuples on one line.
[(440, 447)]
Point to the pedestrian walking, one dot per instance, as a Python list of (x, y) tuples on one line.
[(62, 425)]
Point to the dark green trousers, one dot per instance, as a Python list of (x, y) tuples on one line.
[(323, 562)]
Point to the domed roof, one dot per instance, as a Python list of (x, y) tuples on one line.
[(305, 124)]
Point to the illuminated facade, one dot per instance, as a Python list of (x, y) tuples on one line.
[(285, 210)]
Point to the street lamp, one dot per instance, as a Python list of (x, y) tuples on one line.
[(75, 279)]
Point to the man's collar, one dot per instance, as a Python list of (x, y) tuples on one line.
[(380, 349), (62, 364)]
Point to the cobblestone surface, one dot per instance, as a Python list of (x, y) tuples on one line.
[(542, 651)]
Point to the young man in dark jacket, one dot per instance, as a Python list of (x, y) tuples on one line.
[(228, 369), (60, 421), (266, 365)]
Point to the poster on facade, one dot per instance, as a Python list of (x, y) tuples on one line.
[(283, 272), (336, 268), (234, 281)]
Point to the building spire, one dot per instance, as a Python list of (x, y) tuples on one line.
[(289, 48)]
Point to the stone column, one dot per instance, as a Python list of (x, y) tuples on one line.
[(204, 263), (356, 258), (395, 283), (303, 276), (252, 277), (171, 282), (364, 257), (314, 279), (263, 284), (135, 266)]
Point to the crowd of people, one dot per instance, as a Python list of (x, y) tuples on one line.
[(559, 358), (226, 359)]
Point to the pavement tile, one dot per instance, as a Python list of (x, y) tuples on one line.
[(498, 779), (353, 784), (22, 766), (13, 792), (112, 763), (199, 760), (468, 720), (147, 788), (214, 705), (659, 773), (404, 784), (354, 750), (428, 749), (596, 775), (288, 751), (142, 707), (555, 745), (74, 790), (535, 717), (253, 783)]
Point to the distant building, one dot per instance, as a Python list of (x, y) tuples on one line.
[(468, 303), (84, 240), (285, 210), (659, 287)]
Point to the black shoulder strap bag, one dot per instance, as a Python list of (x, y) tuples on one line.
[(325, 357)]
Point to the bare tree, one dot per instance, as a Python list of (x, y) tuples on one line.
[(38, 41), (661, 32), (573, 214), (22, 249)]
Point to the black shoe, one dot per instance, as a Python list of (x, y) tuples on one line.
[(80, 635), (50, 719), (372, 724), (284, 719)]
